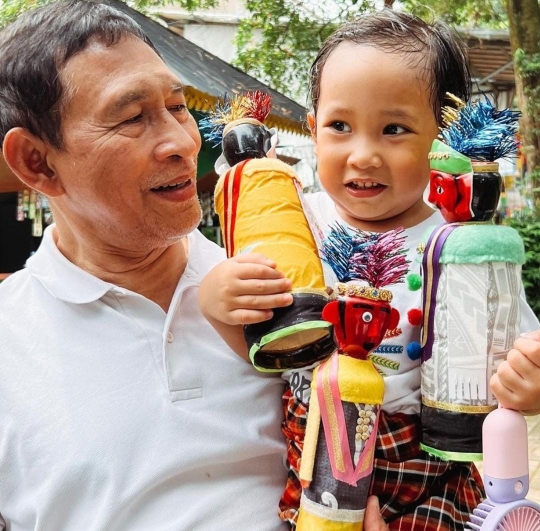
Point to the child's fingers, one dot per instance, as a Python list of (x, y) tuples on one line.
[(244, 316), (267, 286), (529, 347), (517, 366), (258, 271), (514, 384), (532, 335), (373, 520), (264, 302), (254, 258)]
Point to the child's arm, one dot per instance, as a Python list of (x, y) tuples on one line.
[(516, 385), (239, 291)]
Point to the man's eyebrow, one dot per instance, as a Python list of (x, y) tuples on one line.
[(127, 99), (139, 95), (177, 88)]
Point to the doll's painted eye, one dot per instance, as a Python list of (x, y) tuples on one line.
[(440, 190), (367, 317)]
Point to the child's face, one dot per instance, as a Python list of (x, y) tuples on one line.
[(373, 131)]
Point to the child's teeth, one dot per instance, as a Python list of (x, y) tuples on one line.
[(365, 185)]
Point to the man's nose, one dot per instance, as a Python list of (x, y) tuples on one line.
[(177, 139)]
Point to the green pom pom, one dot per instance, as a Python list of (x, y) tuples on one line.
[(414, 282)]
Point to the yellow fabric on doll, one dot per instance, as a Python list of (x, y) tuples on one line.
[(312, 522), (372, 389), (351, 372), (265, 215)]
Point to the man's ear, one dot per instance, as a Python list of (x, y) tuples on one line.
[(26, 155), (313, 128)]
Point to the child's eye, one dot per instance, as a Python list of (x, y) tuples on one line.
[(394, 129), (342, 127)]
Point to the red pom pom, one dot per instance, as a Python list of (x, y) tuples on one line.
[(415, 316)]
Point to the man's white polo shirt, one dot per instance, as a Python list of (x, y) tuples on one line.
[(115, 416)]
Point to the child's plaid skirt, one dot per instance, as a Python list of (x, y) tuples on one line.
[(417, 492)]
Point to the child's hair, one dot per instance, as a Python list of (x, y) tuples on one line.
[(433, 46)]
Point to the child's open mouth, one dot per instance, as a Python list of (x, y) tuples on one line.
[(364, 185), (364, 189)]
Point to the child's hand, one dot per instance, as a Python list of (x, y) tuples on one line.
[(373, 520), (516, 385), (243, 289)]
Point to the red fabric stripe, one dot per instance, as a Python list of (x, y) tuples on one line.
[(235, 195), (226, 213)]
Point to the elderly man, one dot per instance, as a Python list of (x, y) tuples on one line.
[(121, 407)]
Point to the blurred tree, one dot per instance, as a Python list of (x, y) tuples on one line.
[(11, 9), (524, 22), (279, 39)]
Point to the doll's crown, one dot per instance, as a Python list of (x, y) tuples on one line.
[(365, 292), (251, 107)]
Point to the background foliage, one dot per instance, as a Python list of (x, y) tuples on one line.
[(529, 230), (279, 40), (11, 9)]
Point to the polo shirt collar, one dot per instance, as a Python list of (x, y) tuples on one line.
[(63, 279)]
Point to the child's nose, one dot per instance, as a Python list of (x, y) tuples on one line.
[(365, 153)]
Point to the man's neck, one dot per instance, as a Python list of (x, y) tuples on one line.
[(153, 273)]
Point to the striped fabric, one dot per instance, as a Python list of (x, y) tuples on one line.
[(417, 492), (293, 427)]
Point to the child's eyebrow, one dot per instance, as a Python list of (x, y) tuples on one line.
[(398, 113)]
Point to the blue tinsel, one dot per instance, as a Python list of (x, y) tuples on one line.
[(212, 127), (481, 132), (337, 249)]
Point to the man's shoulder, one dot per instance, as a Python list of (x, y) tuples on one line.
[(203, 253), (13, 283), (12, 290)]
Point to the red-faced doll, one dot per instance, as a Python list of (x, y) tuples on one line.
[(348, 391)]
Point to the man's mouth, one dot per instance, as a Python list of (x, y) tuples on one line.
[(172, 186)]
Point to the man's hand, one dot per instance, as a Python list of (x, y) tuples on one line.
[(372, 519), (516, 385)]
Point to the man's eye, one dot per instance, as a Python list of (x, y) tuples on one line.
[(393, 129), (133, 120), (178, 108), (342, 127)]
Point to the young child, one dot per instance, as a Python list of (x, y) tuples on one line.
[(377, 88)]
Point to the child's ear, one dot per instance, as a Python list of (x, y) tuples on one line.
[(26, 155), (312, 127)]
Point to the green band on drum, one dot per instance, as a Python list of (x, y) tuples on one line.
[(280, 334), (452, 456)]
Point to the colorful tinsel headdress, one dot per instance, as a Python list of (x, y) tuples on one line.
[(479, 130), (253, 105), (376, 259)]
